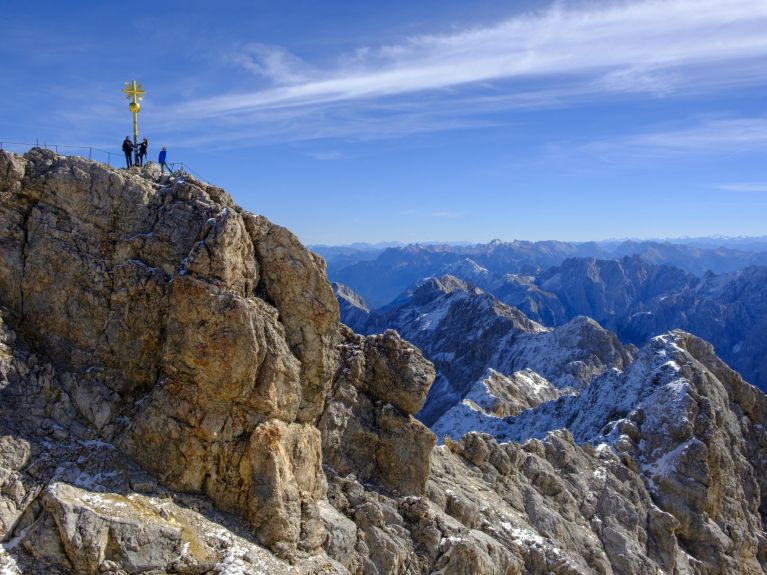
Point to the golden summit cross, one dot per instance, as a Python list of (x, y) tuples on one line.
[(134, 92)]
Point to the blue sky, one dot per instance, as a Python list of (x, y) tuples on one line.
[(420, 121)]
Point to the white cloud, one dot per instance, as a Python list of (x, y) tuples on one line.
[(272, 62), (744, 187), (606, 47), (733, 135), (326, 156)]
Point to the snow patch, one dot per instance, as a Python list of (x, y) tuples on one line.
[(431, 320), (666, 464), (464, 418)]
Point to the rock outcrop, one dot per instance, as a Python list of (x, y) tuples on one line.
[(196, 337), (368, 427)]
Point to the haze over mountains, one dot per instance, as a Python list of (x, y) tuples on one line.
[(712, 287), (379, 274)]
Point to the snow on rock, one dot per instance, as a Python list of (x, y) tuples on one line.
[(469, 334), (464, 418), (594, 414)]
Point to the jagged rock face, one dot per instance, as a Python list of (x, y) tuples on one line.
[(368, 428), (504, 395), (466, 331), (493, 397), (691, 429), (71, 503), (674, 484), (199, 338), (353, 308), (519, 291)]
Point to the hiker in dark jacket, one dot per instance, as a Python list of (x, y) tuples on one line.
[(142, 148), (163, 163), (128, 149)]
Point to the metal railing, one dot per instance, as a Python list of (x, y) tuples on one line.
[(90, 152)]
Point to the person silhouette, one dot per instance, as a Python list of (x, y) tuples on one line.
[(142, 149), (128, 149), (162, 159)]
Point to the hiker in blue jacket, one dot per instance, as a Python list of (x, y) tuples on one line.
[(163, 163)]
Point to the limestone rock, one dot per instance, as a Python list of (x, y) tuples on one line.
[(367, 427), (186, 324), (295, 281), (71, 503), (395, 372)]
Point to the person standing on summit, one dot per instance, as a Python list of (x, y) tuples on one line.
[(142, 149), (128, 149), (162, 160)]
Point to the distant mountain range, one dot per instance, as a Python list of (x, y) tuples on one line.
[(380, 274), (631, 295), (638, 300)]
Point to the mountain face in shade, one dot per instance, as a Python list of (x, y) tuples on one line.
[(351, 305), (465, 332), (381, 276), (639, 300)]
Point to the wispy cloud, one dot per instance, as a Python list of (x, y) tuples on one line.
[(744, 187), (609, 47), (274, 63), (446, 214), (326, 156), (708, 136)]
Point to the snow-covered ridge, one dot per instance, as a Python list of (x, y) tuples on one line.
[(468, 334)]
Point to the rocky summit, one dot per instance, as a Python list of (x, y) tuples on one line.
[(177, 396)]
